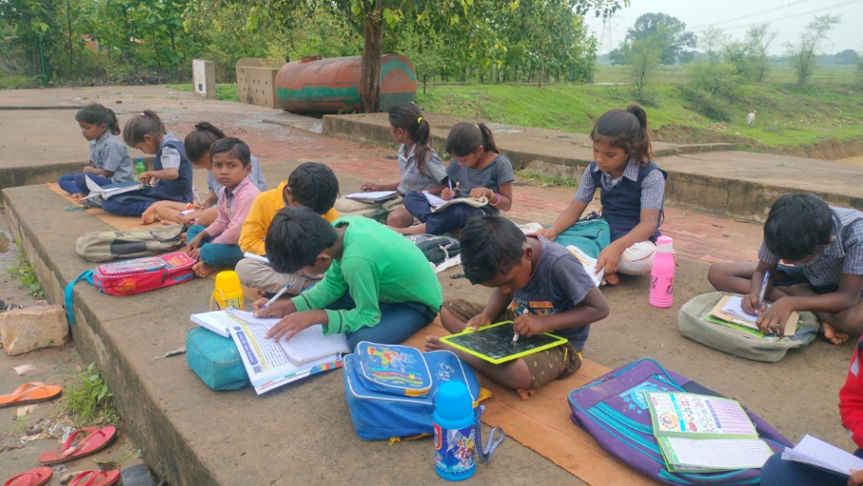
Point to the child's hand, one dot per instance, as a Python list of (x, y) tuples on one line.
[(749, 303), (446, 194), (772, 319), (547, 234), (276, 309), (528, 324), (290, 325), (148, 178), (478, 192), (369, 187), (609, 258), (476, 322), (856, 478)]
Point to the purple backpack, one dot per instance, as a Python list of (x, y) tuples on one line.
[(614, 411)]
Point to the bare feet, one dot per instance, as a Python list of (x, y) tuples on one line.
[(149, 216), (832, 334), (611, 279), (203, 270), (525, 394), (434, 344)]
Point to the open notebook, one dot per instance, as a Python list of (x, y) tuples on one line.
[(109, 190), (729, 309), (439, 204)]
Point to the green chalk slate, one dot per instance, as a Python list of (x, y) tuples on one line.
[(493, 343)]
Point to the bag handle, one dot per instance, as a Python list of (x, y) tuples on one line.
[(495, 437), (67, 293)]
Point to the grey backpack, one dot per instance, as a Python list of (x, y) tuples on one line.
[(694, 323), (102, 246)]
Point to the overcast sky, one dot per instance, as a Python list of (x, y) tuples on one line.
[(787, 17)]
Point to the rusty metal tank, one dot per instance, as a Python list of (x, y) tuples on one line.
[(332, 85)]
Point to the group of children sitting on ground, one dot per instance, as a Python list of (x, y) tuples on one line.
[(362, 278)]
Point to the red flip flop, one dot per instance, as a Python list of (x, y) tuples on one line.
[(94, 441), (30, 393), (96, 478), (36, 477)]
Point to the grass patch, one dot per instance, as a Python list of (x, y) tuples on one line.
[(226, 92), (535, 179), (24, 272), (89, 400)]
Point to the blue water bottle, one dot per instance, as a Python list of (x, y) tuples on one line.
[(454, 432)]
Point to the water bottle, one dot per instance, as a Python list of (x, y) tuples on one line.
[(139, 168), (454, 432), (662, 274), (227, 292)]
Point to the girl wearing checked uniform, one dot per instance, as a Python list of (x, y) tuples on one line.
[(631, 188)]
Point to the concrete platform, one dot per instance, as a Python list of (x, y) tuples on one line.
[(302, 434)]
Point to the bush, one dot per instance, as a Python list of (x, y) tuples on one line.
[(712, 86), (705, 103)]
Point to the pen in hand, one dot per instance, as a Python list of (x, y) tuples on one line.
[(198, 198), (763, 291), (515, 335), (276, 297)]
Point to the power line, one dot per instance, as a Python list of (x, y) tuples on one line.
[(801, 14), (751, 14)]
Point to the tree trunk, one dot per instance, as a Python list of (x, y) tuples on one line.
[(69, 31), (370, 79), (541, 68)]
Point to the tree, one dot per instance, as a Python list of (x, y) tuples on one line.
[(644, 55), (672, 36), (758, 39), (848, 57), (711, 41), (802, 55)]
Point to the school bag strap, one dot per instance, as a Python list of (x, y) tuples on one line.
[(67, 292), (495, 437)]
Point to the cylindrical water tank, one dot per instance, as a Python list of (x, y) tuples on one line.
[(332, 85)]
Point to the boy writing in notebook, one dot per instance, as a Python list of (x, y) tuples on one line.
[(378, 286), (822, 248), (539, 285)]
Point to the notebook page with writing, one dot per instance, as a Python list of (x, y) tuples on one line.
[(311, 344)]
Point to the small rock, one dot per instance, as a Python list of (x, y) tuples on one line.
[(31, 328)]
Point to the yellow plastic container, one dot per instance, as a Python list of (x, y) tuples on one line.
[(227, 292)]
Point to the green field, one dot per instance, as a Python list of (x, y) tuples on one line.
[(790, 117)]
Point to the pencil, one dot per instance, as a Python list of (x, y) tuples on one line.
[(276, 297)]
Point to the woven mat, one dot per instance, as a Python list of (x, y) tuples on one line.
[(542, 423), (121, 223)]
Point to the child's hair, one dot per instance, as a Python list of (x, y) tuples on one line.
[(198, 141), (315, 186), (465, 138), (625, 129), (297, 235), (409, 118), (233, 146), (797, 225), (490, 245), (145, 123), (96, 114)]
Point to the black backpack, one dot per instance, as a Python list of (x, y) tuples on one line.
[(437, 248)]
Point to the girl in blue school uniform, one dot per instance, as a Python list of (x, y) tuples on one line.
[(109, 160), (169, 179), (632, 188), (477, 170)]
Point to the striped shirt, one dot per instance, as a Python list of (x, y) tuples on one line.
[(652, 186), (414, 179), (842, 256)]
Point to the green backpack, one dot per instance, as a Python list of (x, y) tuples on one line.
[(102, 246)]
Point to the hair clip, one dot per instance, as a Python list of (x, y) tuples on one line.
[(143, 114), (419, 120)]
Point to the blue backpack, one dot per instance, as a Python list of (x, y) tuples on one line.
[(590, 234), (614, 411), (390, 391)]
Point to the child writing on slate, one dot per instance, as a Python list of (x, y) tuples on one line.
[(477, 170), (169, 179), (311, 184), (822, 248), (378, 286), (109, 160), (197, 144), (420, 166), (539, 285), (216, 244), (631, 190)]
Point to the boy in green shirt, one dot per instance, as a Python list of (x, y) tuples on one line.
[(378, 286)]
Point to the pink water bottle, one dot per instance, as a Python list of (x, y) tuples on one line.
[(662, 274)]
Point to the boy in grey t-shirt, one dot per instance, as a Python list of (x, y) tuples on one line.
[(539, 285)]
